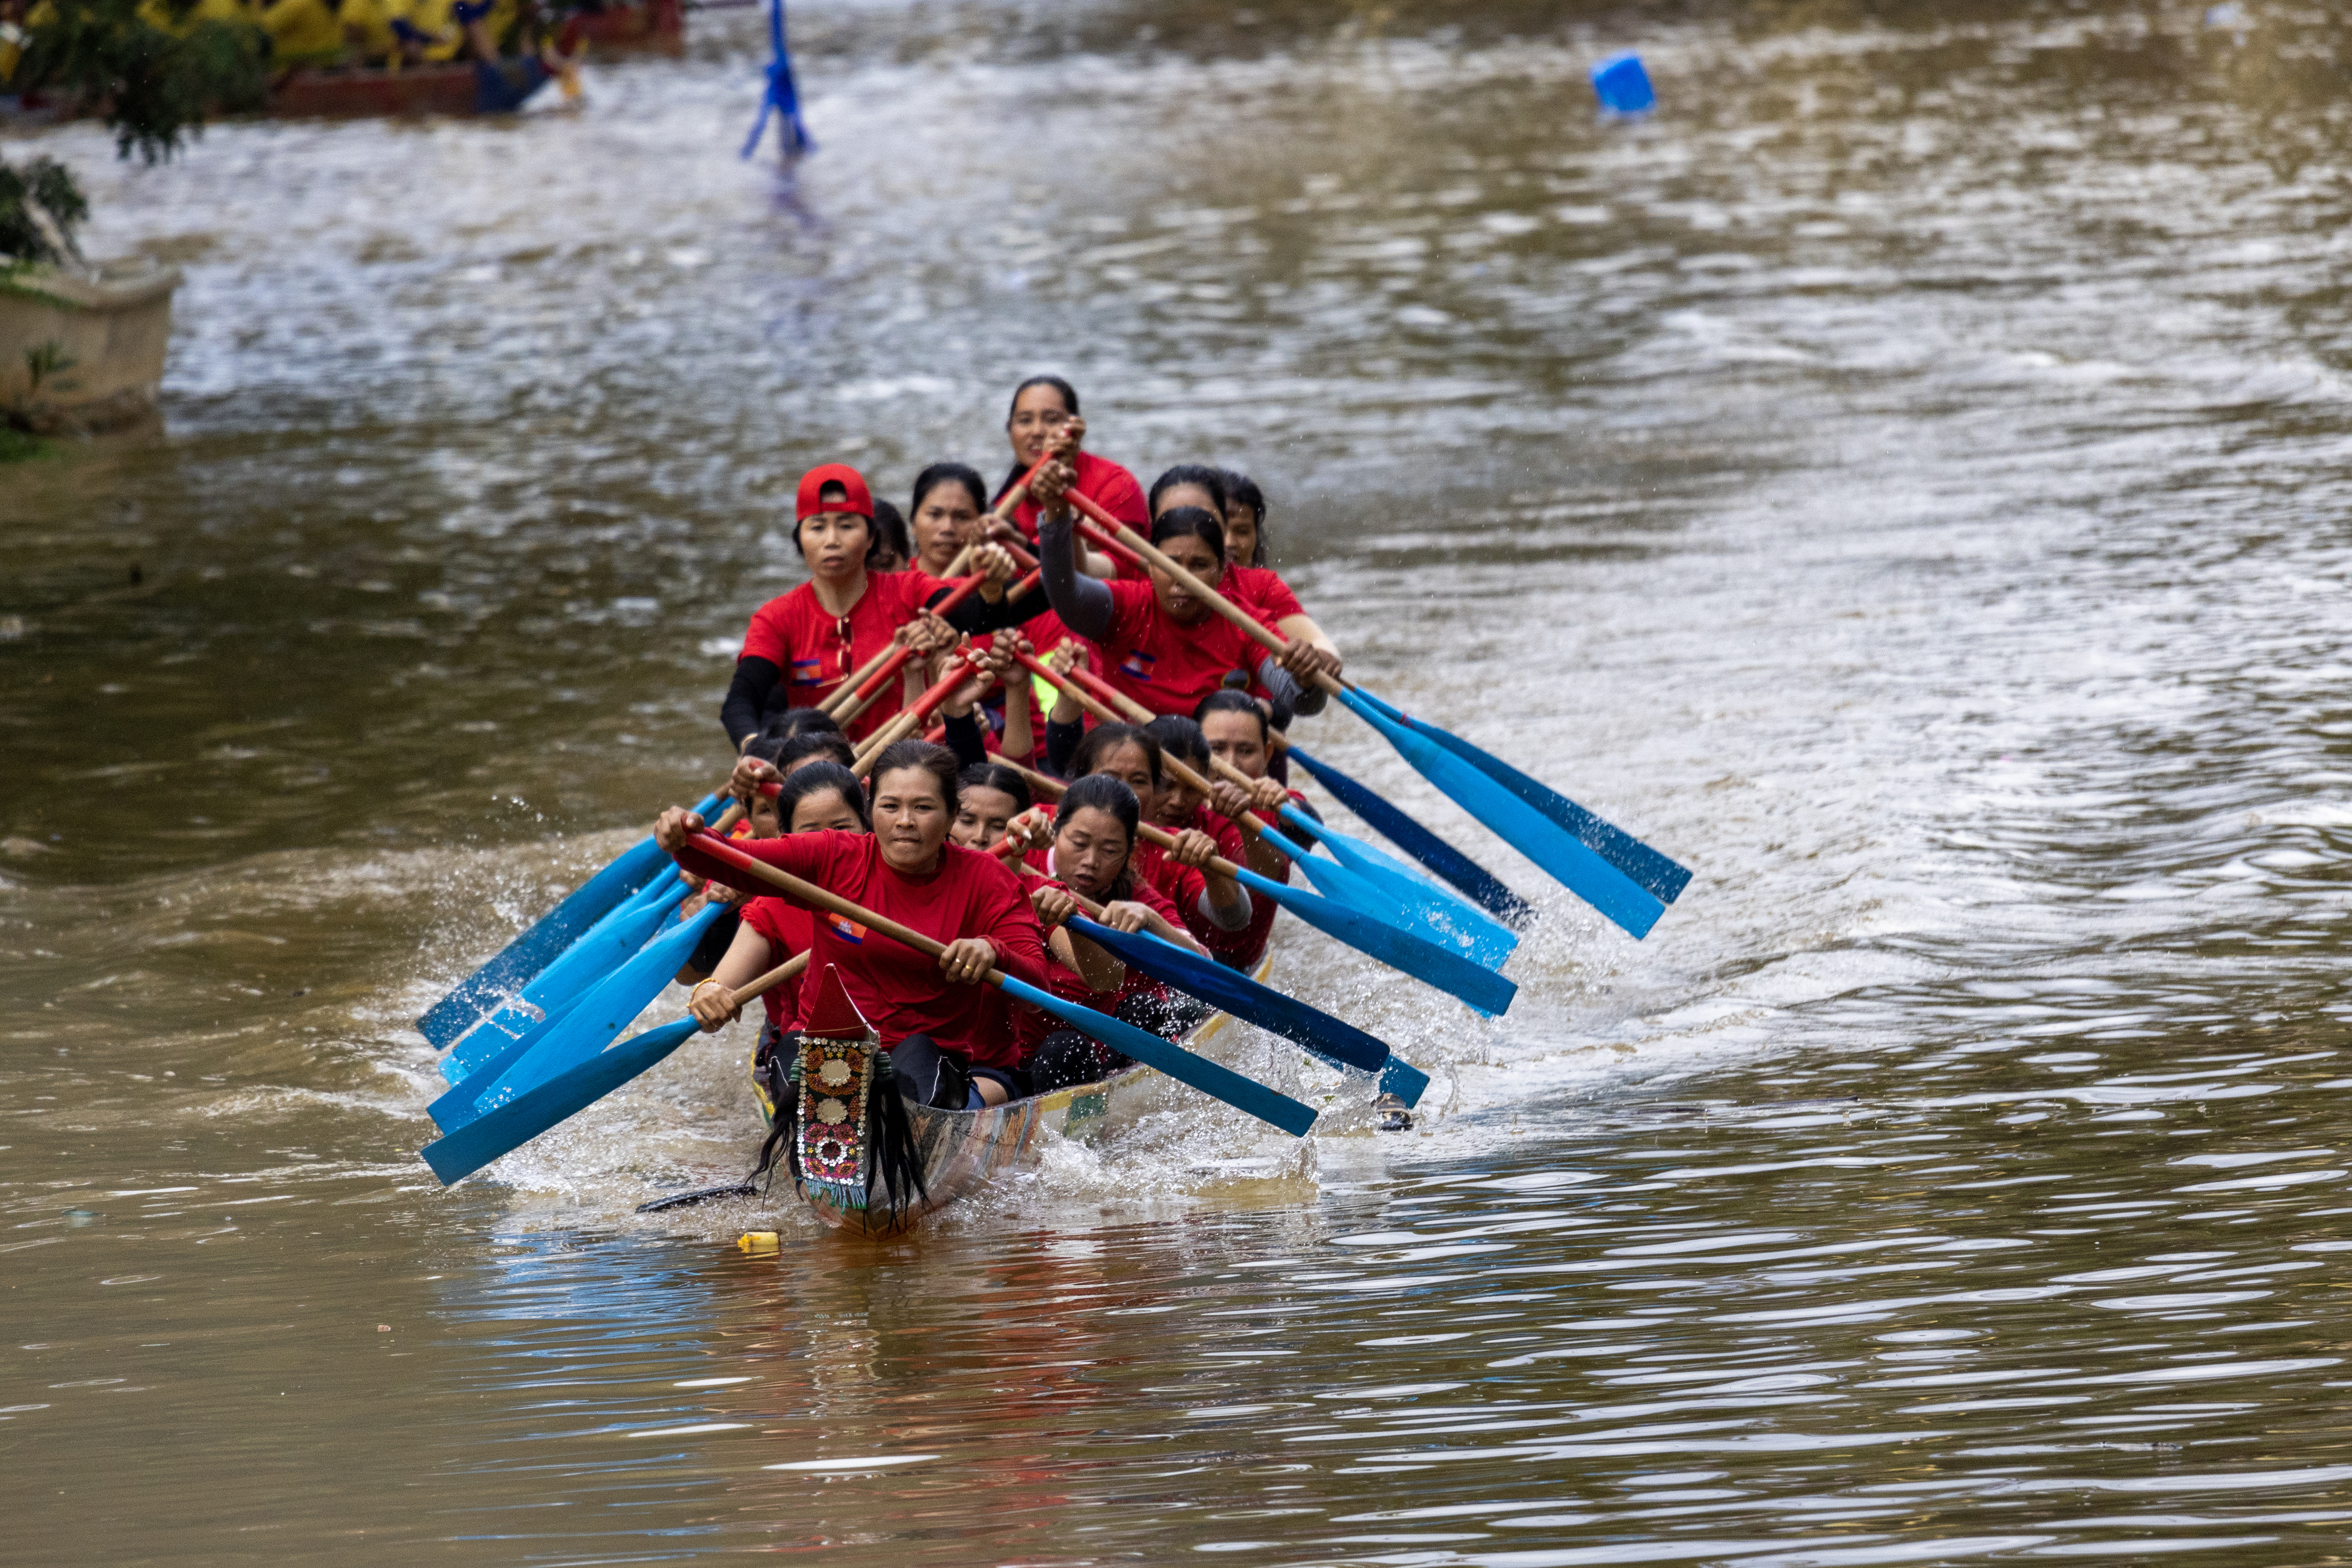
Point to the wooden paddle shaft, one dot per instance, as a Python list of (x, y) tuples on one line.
[(902, 725), (773, 978), (1265, 637), (1137, 713), (1000, 512), (1149, 831), (823, 899), (1079, 695), (897, 658), (854, 684)]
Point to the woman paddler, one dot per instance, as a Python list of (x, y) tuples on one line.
[(1161, 646), (950, 1036), (1248, 582), (1044, 418), (817, 797), (803, 645), (1092, 853)]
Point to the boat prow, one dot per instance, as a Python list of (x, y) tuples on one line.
[(954, 1152)]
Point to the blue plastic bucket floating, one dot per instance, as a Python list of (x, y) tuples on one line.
[(1624, 86)]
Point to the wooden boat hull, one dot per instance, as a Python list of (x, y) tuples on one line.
[(415, 91), (961, 1151)]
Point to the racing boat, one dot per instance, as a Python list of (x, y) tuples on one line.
[(866, 1161)]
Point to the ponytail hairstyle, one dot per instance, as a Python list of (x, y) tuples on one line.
[(1104, 793), (1241, 490), (923, 757), (1199, 474), (1180, 522), (1232, 701), (1069, 405), (1180, 738), (939, 474), (997, 776), (1106, 740), (822, 778)]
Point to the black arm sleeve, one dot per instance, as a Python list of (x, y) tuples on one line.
[(965, 739), (1283, 688), (976, 615), (1062, 744), (1083, 604), (746, 699)]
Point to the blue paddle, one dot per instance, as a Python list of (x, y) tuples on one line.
[(1338, 1042), (1519, 825), (1416, 840), (531, 952), (1219, 1082), (577, 970), (1550, 846), (592, 1025), (1647, 867), (525, 1117), (1411, 911), (1466, 925)]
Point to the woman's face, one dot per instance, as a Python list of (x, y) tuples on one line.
[(833, 543), (1237, 738), (763, 818), (1130, 764), (1175, 496), (824, 812), (981, 816), (1177, 801), (1190, 552), (910, 818), (1091, 848), (944, 523), (1241, 535), (1036, 415)]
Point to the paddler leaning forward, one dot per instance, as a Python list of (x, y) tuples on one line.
[(953, 1038)]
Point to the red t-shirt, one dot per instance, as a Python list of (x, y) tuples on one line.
[(1165, 667), (900, 991), (786, 928), (1261, 591), (1106, 485), (1135, 983), (815, 650)]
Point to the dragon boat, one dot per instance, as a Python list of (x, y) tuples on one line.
[(865, 1171)]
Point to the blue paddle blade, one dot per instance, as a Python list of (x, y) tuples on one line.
[(1218, 1082), (1646, 866), (1414, 915), (1416, 840), (1338, 1042), (1482, 988), (525, 1117), (1519, 825), (531, 952), (1460, 922), (592, 1025), (582, 966)]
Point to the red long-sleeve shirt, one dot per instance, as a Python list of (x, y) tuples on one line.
[(900, 990)]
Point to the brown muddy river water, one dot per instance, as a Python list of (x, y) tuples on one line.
[(1905, 479)]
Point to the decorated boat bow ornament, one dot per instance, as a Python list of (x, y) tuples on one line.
[(854, 1136)]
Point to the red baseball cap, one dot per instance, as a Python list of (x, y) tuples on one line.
[(860, 499)]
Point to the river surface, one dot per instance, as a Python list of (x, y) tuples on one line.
[(1905, 479)]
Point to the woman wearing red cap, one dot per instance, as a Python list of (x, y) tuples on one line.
[(800, 646)]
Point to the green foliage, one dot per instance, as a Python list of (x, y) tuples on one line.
[(153, 87), (51, 185)]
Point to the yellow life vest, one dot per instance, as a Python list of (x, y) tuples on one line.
[(303, 31)]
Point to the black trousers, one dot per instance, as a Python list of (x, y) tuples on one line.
[(1066, 1056)]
